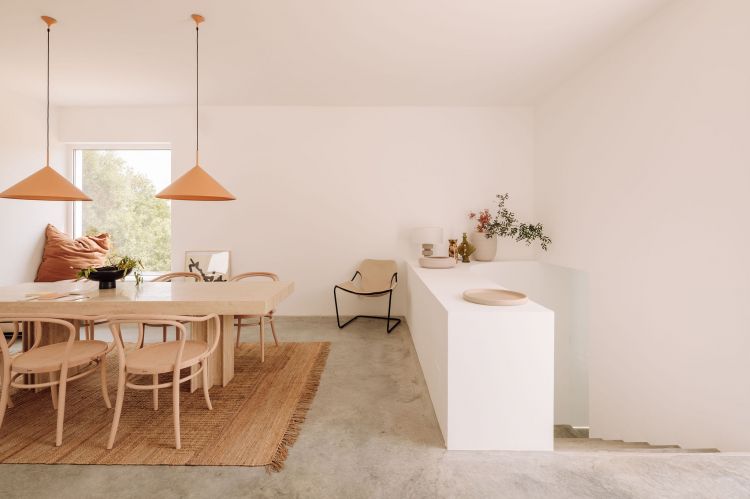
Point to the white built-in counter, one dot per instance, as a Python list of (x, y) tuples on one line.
[(489, 370)]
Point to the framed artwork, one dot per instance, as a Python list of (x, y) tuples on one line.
[(213, 266)]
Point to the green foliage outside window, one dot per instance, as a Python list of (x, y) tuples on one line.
[(125, 207)]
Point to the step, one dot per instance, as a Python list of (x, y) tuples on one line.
[(597, 444), (567, 431), (678, 450)]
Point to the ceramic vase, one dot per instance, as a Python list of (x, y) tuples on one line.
[(486, 248)]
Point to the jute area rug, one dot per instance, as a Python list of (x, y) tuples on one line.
[(254, 420)]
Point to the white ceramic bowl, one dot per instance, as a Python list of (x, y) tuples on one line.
[(437, 262)]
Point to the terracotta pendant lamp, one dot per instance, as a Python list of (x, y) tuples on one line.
[(45, 184), (196, 184)]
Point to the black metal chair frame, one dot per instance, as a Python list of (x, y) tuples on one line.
[(388, 318)]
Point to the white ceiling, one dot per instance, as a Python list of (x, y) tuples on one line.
[(308, 52)]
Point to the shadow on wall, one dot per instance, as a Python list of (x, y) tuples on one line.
[(566, 292)]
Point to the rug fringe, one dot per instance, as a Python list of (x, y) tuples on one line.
[(300, 412)]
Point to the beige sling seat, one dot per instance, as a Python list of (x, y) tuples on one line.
[(169, 278), (260, 318), (376, 278), (61, 362), (157, 358)]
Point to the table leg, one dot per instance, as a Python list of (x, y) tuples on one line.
[(221, 363)]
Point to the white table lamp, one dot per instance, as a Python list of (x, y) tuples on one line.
[(428, 237)]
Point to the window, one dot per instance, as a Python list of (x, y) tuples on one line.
[(122, 184)]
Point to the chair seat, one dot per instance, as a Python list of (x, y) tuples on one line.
[(357, 288), (160, 357), (49, 357)]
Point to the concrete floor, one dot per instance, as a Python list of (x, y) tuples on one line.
[(372, 433)]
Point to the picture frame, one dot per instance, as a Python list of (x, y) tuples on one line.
[(212, 265)]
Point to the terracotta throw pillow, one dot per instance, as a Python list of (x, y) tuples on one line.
[(63, 255)]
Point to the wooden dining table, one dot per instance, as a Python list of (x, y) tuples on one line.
[(225, 299)]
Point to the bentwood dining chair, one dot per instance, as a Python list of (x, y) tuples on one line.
[(158, 358), (171, 277), (260, 318), (62, 362), (376, 278)]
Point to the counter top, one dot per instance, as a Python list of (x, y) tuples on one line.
[(448, 286)]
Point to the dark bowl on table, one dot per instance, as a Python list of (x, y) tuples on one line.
[(107, 276)]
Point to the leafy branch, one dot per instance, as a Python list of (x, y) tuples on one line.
[(506, 224)]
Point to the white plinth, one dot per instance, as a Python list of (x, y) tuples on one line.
[(489, 370)]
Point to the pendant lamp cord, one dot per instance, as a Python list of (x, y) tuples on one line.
[(47, 162), (196, 94)]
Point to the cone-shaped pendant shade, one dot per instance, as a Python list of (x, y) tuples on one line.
[(45, 185), (196, 185)]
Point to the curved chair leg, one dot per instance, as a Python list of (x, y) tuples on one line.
[(262, 342), (239, 330), (273, 330), (155, 380), (388, 326), (336, 304), (176, 408), (61, 407), (105, 388), (204, 378), (118, 408), (164, 333), (54, 389), (5, 396)]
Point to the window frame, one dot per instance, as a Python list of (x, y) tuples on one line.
[(75, 218)]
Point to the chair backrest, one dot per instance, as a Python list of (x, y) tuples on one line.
[(177, 321), (378, 274), (176, 275), (249, 275)]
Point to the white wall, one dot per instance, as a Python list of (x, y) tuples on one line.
[(22, 223), (642, 171), (320, 188)]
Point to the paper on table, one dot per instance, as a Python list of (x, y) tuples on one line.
[(72, 296)]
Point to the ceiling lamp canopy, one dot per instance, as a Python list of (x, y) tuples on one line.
[(45, 184), (196, 184)]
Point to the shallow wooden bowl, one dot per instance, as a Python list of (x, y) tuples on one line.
[(495, 297)]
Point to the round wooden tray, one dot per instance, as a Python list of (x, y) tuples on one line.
[(437, 262), (496, 297)]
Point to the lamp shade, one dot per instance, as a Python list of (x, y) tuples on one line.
[(45, 185), (428, 235), (196, 185)]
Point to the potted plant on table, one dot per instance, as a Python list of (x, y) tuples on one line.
[(118, 268), (503, 224)]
